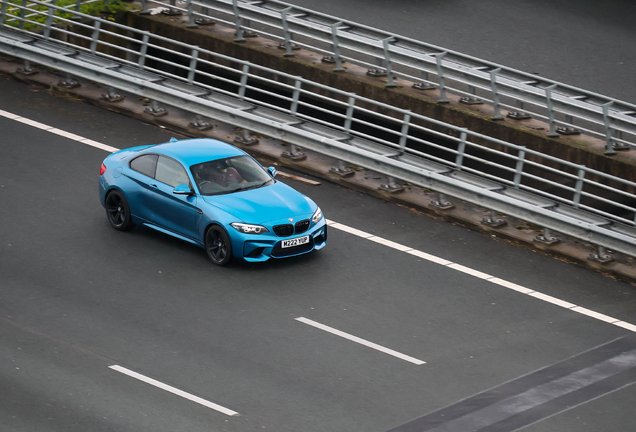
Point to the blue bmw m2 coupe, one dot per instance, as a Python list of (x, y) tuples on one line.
[(212, 194)]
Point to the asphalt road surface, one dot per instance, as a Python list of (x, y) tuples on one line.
[(109, 331), (584, 43)]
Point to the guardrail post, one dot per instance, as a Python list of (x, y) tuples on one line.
[(155, 110), (288, 46), (49, 21), (387, 57), (404, 133), (349, 114), (521, 157), (546, 237), (27, 69), (172, 10), (243, 82), (461, 150), (578, 188), (69, 82), (441, 202), (601, 256), (295, 97), (193, 64), (22, 14), (495, 94), (294, 153), (144, 8), (492, 220), (95, 37), (246, 138), (111, 95), (342, 169), (191, 23), (548, 97), (609, 144), (143, 50), (200, 123), (391, 185), (440, 76), (3, 12), (336, 46), (238, 20)]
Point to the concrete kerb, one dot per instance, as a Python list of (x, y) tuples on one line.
[(269, 151)]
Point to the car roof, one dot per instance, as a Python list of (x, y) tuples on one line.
[(194, 151)]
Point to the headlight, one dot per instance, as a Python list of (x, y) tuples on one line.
[(317, 216), (249, 229)]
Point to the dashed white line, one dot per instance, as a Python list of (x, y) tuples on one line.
[(360, 341), (380, 240), (173, 390)]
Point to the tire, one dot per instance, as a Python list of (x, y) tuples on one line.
[(218, 246), (118, 211)]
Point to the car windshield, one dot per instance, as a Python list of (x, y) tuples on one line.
[(224, 176)]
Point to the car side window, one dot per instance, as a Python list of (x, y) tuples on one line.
[(171, 172), (145, 164)]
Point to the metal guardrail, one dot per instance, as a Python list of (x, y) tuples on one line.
[(567, 109), (552, 193)]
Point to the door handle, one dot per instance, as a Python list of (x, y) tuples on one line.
[(153, 185)]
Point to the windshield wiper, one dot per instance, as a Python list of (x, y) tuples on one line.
[(254, 186)]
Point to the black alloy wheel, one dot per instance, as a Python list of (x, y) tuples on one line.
[(118, 211), (218, 246)]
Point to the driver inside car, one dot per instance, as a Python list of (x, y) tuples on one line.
[(219, 172)]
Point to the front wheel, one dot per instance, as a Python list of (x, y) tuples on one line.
[(118, 211), (218, 246)]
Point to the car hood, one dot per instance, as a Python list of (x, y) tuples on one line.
[(269, 203)]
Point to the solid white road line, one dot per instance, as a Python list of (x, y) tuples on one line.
[(380, 240), (60, 132), (174, 390), (476, 273), (360, 341)]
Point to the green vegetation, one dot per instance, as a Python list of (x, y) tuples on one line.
[(36, 14)]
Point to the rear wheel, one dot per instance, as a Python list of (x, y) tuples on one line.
[(218, 246), (118, 211)]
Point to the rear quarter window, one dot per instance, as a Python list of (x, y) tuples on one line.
[(146, 164)]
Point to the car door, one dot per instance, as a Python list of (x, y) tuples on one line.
[(174, 212), (141, 174)]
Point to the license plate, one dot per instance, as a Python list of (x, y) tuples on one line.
[(294, 242)]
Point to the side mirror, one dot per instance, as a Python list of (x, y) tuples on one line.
[(271, 171), (183, 189)]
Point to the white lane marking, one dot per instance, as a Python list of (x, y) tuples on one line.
[(593, 314), (476, 273), (469, 271), (350, 230), (99, 145), (429, 257), (360, 341), (420, 254), (173, 390), (512, 286), (553, 300), (60, 132), (389, 243)]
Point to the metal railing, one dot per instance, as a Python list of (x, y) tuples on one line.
[(567, 109), (504, 177)]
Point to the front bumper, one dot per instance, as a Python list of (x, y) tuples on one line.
[(260, 248)]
